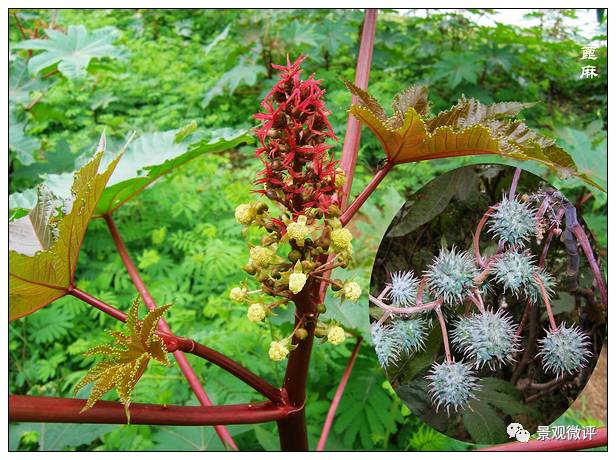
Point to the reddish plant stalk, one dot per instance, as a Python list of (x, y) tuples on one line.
[(514, 183), (68, 410), (362, 74), (441, 320), (262, 386), (338, 396), (292, 431), (477, 236), (579, 233), (598, 440), (175, 343), (405, 310), (365, 193), (546, 301), (185, 367), (97, 303)]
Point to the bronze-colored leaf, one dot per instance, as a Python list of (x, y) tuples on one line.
[(415, 97), (367, 101), (45, 247), (468, 128), (125, 362), (469, 112), (398, 143)]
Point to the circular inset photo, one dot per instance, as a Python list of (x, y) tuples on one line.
[(487, 305)]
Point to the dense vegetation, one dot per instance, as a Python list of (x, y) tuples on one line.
[(162, 70)]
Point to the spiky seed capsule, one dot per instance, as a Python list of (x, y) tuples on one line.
[(452, 385), (512, 222), (403, 288), (564, 350), (451, 275), (411, 334), (516, 272), (297, 281), (351, 291), (256, 313), (335, 335), (278, 350), (487, 338), (387, 344)]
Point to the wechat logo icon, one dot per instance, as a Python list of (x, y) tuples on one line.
[(516, 430)]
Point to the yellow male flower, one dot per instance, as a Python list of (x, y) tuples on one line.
[(335, 335), (278, 350), (256, 312)]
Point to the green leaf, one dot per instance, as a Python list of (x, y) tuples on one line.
[(352, 316), (155, 154), (244, 73), (50, 325), (57, 436), (590, 157), (365, 412), (71, 51), (41, 268), (187, 439), (217, 39), (484, 424), (23, 145), (457, 67), (148, 158), (21, 85), (433, 200)]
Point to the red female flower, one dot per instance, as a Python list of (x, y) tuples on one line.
[(300, 172)]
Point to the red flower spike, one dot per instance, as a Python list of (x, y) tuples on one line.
[(299, 167)]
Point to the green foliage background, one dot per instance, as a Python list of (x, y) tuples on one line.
[(168, 68)]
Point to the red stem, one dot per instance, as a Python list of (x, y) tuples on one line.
[(292, 431), (554, 445), (477, 236), (262, 386), (514, 183), (338, 396), (441, 321), (68, 410), (175, 343), (97, 303), (365, 193), (579, 233), (185, 366), (353, 131), (546, 301)]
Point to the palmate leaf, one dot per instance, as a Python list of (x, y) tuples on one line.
[(468, 128), (148, 158), (155, 154), (124, 362), (44, 245), (71, 51)]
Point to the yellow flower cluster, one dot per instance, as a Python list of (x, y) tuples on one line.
[(297, 281), (299, 231), (335, 335), (245, 214), (351, 291), (278, 350), (238, 294), (261, 256), (256, 312)]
